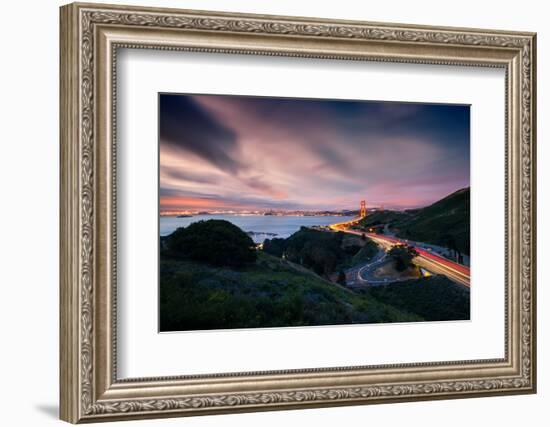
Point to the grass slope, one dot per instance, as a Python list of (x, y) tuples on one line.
[(383, 217), (321, 251), (445, 223), (433, 298), (270, 293)]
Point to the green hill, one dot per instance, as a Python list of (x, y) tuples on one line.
[(271, 292), (215, 242), (384, 217), (212, 278), (434, 298), (322, 252), (445, 222)]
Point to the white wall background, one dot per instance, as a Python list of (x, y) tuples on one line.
[(29, 170)]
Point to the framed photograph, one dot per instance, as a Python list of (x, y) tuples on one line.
[(265, 212)]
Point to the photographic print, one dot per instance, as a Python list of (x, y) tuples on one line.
[(285, 212), (317, 196)]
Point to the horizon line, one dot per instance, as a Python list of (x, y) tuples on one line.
[(166, 212)]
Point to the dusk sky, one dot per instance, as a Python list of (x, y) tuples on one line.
[(254, 153)]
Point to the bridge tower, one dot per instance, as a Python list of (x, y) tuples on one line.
[(363, 210)]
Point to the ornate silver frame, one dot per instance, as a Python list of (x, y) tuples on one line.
[(90, 36)]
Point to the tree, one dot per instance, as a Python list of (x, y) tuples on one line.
[(341, 278), (402, 256), (449, 241), (321, 259), (275, 247), (215, 242), (316, 250)]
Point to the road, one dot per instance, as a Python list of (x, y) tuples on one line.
[(355, 276), (430, 261)]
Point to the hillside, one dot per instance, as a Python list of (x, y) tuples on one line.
[(322, 252), (445, 222), (286, 284), (433, 298), (270, 293)]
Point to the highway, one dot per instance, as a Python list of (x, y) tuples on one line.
[(355, 276), (430, 261)]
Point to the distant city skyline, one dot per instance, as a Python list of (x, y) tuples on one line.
[(237, 153)]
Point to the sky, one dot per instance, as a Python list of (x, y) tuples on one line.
[(239, 153)]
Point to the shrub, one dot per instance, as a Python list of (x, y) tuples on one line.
[(216, 242), (402, 256), (275, 247)]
